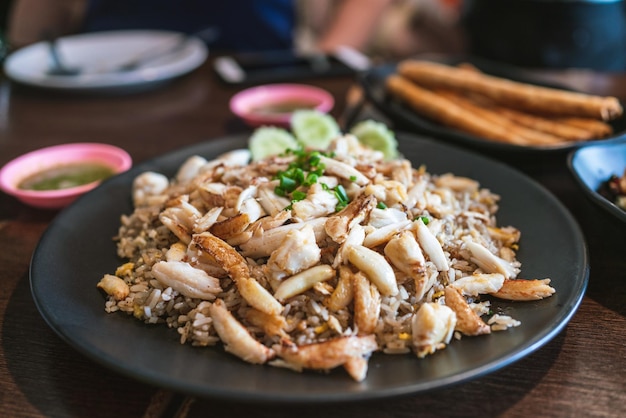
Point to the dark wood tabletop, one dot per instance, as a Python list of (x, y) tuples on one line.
[(579, 373)]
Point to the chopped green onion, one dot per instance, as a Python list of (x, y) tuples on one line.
[(352, 178), (424, 219), (381, 205), (341, 194), (298, 195)]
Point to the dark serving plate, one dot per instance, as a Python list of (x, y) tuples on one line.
[(593, 165), (373, 82), (77, 249)]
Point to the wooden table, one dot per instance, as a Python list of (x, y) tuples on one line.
[(581, 372)]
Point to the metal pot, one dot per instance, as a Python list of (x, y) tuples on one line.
[(548, 33)]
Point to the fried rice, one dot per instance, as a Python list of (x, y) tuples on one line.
[(314, 260)]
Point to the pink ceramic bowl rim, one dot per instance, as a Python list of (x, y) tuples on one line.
[(242, 103), (21, 167)]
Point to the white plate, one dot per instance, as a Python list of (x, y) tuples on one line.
[(99, 52)]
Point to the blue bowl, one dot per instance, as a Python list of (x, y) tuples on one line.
[(593, 165)]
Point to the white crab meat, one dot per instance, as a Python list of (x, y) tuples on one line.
[(148, 189), (375, 267), (367, 304), (318, 202), (186, 279), (330, 354), (190, 169), (298, 251), (303, 281), (236, 267), (467, 321), (343, 170), (491, 263), (432, 328), (431, 245), (271, 202), (181, 219), (264, 243), (479, 284), (236, 338), (339, 225), (524, 290)]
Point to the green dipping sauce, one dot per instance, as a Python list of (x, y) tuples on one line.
[(66, 176)]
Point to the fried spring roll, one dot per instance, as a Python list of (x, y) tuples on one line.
[(511, 93), (598, 128), (446, 112), (549, 126), (532, 136)]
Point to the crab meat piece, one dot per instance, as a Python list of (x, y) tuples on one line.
[(382, 235), (273, 325), (298, 251), (345, 146), (467, 321), (339, 225), (379, 218), (405, 254), (415, 195), (390, 192), (524, 290), (330, 354), (432, 328), (186, 280), (235, 265), (456, 183), (114, 286), (271, 202), (236, 338), (507, 235), (489, 262), (148, 189), (343, 293), (375, 267), (303, 281), (355, 237), (479, 284), (431, 245), (181, 218), (263, 244), (318, 202), (207, 220), (176, 252), (235, 158), (402, 172), (190, 169), (367, 303), (343, 170), (246, 194)]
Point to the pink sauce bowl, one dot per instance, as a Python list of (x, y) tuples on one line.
[(17, 170), (273, 104)]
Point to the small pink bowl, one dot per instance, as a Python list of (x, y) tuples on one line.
[(28, 164), (260, 105)]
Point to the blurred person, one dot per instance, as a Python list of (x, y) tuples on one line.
[(240, 25)]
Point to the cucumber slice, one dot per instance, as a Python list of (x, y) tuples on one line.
[(314, 129), (269, 140), (377, 136)]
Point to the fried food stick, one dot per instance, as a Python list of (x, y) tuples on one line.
[(499, 117), (444, 111), (510, 93), (598, 128), (549, 126)]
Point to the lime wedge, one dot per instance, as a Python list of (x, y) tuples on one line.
[(313, 128), (377, 136), (268, 140)]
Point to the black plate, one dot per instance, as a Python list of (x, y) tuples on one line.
[(373, 82), (594, 165), (77, 249)]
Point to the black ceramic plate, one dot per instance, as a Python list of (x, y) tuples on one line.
[(594, 165), (77, 249), (373, 82)]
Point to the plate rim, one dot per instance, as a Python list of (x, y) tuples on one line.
[(196, 54), (527, 347)]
